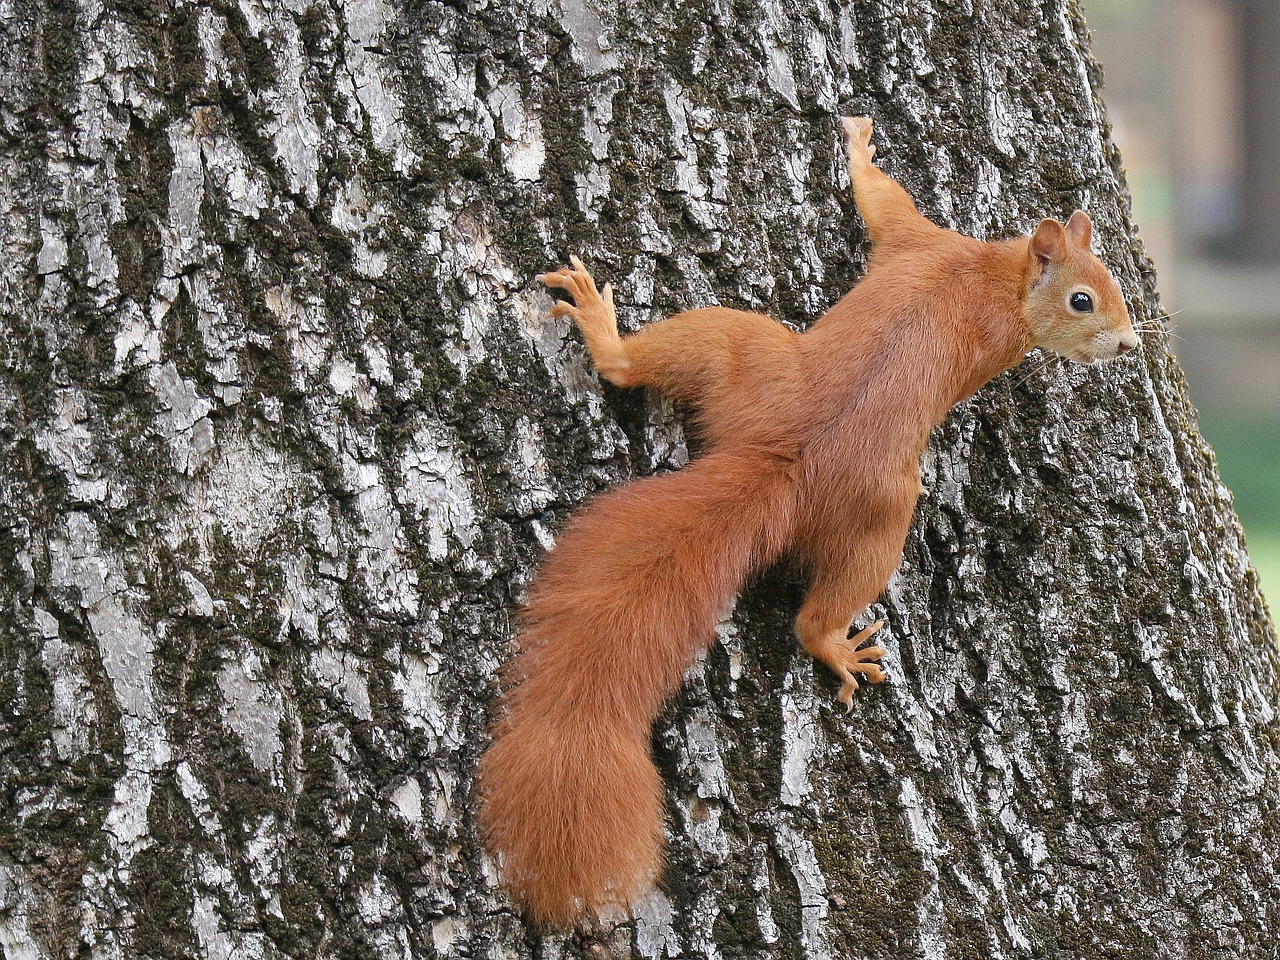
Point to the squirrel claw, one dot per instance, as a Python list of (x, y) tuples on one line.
[(846, 693)]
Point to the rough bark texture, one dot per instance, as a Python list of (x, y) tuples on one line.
[(284, 432)]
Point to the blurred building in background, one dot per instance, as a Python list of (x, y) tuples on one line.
[(1193, 92)]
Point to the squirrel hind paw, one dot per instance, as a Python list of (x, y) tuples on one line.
[(871, 672), (845, 696), (845, 659)]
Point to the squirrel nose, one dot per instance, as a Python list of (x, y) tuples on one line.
[(1122, 348)]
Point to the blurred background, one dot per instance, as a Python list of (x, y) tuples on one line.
[(1193, 92)]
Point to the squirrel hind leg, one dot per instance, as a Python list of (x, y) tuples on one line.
[(843, 584)]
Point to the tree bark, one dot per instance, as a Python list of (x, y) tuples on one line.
[(285, 430)]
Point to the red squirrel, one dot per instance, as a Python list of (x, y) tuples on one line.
[(813, 442)]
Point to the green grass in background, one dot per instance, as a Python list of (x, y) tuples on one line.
[(1248, 449)]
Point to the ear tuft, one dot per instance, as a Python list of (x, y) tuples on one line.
[(1080, 229), (1049, 243)]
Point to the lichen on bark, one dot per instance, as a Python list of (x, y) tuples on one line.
[(284, 429)]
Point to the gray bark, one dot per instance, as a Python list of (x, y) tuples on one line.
[(284, 431)]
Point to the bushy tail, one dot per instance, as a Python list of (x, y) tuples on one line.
[(570, 801)]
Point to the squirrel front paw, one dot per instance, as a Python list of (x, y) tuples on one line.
[(589, 304), (592, 310), (857, 138)]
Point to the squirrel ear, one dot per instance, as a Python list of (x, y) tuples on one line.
[(1048, 246), (1080, 229)]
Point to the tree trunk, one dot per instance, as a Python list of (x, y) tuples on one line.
[(285, 431)]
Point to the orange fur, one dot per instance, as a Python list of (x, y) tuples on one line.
[(814, 443)]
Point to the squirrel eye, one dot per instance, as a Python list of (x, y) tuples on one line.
[(1081, 302)]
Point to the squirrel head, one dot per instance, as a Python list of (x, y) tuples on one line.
[(1073, 305)]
